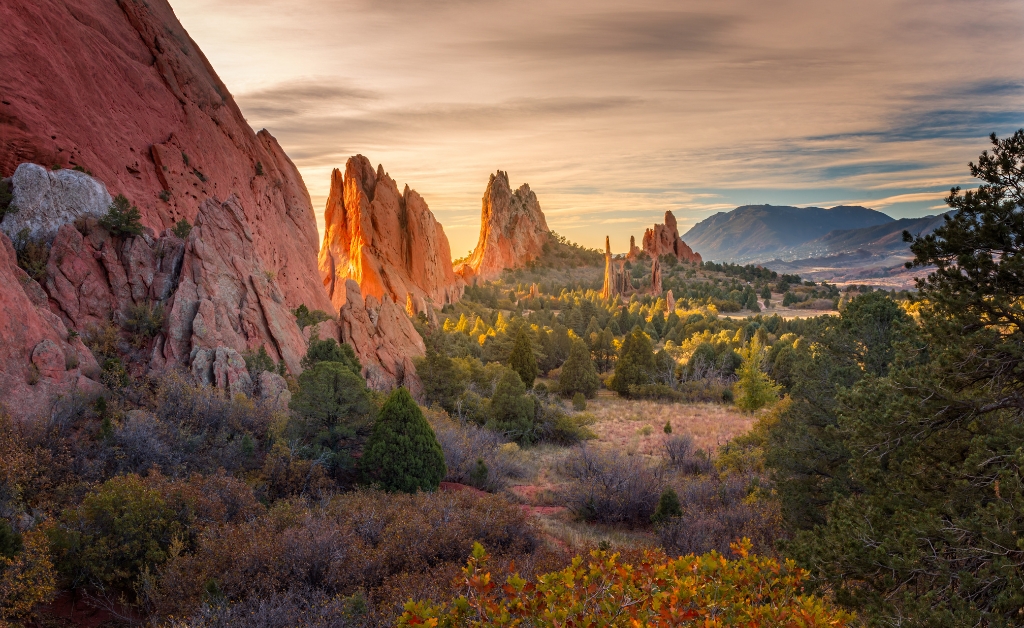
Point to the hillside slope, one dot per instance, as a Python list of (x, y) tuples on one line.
[(755, 233)]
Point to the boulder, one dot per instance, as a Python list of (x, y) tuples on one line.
[(273, 391), (388, 242), (664, 240), (47, 199), (513, 230)]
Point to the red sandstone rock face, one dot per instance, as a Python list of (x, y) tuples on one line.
[(387, 242), (382, 336), (120, 89), (39, 360), (513, 230), (664, 240)]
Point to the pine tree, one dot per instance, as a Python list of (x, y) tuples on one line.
[(402, 454), (512, 410), (754, 388), (635, 366), (668, 506), (578, 373), (522, 360), (441, 382), (330, 393)]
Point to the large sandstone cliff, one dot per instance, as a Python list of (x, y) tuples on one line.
[(118, 89), (513, 230), (388, 242), (664, 240)]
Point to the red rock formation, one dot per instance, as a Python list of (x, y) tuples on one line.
[(39, 360), (382, 336), (664, 240), (616, 277), (120, 89), (634, 252), (389, 243), (513, 230)]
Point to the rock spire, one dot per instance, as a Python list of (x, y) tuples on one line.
[(664, 240)]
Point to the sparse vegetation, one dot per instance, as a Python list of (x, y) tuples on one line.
[(122, 218), (182, 228), (7, 205), (32, 253)]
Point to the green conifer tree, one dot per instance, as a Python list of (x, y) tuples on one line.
[(402, 454), (522, 360), (635, 365), (578, 373), (754, 389)]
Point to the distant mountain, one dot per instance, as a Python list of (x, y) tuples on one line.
[(883, 239), (757, 233)]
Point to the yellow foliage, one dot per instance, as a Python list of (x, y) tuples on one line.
[(27, 579)]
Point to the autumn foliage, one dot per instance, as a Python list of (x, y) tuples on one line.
[(706, 590)]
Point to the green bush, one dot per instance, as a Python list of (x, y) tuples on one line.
[(403, 454), (512, 411), (636, 363), (522, 360), (578, 373), (668, 506), (579, 402), (330, 393), (122, 219), (10, 540), (755, 389), (442, 383), (305, 317), (119, 530), (182, 228), (330, 351), (144, 322)]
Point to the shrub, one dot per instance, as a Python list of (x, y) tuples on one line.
[(635, 365), (305, 317), (578, 372), (182, 228), (10, 540), (27, 578), (705, 590), (441, 381), (522, 360), (463, 444), (32, 254), (122, 218), (478, 476), (754, 388), (120, 529), (715, 512), (330, 351), (609, 487), (403, 454), (329, 394), (668, 506), (512, 411), (579, 402), (144, 322)]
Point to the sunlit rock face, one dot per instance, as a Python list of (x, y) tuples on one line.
[(513, 230), (388, 242), (664, 240)]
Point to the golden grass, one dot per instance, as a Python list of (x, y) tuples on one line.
[(622, 423)]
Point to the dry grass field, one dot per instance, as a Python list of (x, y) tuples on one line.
[(637, 426)]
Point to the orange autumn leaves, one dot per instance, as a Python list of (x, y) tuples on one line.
[(708, 590)]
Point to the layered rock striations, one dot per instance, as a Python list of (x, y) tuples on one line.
[(664, 240), (513, 230), (388, 242)]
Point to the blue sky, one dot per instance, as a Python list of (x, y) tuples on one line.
[(615, 112)]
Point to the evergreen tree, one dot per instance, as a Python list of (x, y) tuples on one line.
[(330, 393), (442, 383), (329, 350), (522, 360), (578, 373), (668, 506), (929, 529), (402, 454), (754, 389), (122, 218), (512, 410), (635, 365)]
